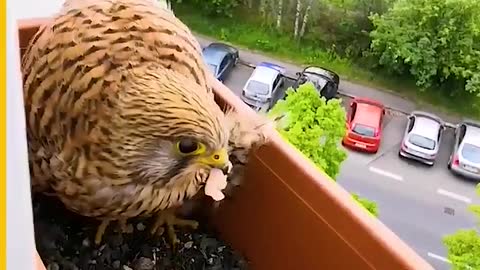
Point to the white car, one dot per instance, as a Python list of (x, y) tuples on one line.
[(465, 157), (422, 137), (262, 85)]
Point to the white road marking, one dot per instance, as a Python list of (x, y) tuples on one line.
[(385, 173), (438, 257), (454, 196), (445, 260)]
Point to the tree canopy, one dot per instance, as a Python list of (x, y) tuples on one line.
[(463, 247), (436, 41), (316, 127), (215, 7)]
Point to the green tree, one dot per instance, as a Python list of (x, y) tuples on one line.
[(215, 7), (463, 247), (436, 41), (343, 26), (315, 127)]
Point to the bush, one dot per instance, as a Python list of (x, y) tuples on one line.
[(314, 126), (371, 206)]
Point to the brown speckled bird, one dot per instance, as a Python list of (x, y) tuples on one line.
[(121, 121)]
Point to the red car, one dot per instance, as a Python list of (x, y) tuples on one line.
[(364, 125)]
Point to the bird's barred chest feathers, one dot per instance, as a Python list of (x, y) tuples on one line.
[(101, 199)]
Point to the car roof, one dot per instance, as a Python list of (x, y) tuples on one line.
[(368, 114), (264, 74), (472, 135), (321, 71), (426, 126), (214, 55), (370, 101)]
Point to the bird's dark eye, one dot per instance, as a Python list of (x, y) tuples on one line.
[(187, 146)]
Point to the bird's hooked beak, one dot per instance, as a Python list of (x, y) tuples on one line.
[(218, 159)]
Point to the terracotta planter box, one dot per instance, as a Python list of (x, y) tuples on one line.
[(289, 215)]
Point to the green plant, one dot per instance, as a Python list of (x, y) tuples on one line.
[(313, 125), (371, 206), (316, 127), (463, 247)]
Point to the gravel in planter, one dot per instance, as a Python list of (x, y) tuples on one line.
[(65, 242)]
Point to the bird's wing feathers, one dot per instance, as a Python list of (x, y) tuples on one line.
[(246, 135), (74, 68), (86, 49)]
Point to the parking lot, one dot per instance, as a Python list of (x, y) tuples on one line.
[(418, 202), (386, 158)]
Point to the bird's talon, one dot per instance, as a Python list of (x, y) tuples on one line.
[(158, 232), (127, 229), (156, 229), (173, 237), (171, 233), (186, 223), (100, 231), (124, 227), (169, 220)]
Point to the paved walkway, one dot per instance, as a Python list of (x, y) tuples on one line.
[(390, 100)]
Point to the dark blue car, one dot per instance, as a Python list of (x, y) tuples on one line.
[(220, 59)]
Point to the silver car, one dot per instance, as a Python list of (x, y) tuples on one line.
[(264, 82), (422, 138), (465, 157)]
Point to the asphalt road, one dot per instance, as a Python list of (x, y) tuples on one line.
[(419, 203)]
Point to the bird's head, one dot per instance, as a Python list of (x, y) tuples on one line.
[(171, 126)]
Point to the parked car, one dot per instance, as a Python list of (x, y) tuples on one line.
[(326, 81), (465, 157), (422, 138), (364, 125), (264, 82), (220, 59)]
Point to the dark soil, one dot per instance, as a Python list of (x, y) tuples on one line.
[(65, 241)]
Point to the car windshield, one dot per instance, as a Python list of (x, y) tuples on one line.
[(364, 130), (422, 142), (471, 153), (213, 68), (318, 82), (258, 87)]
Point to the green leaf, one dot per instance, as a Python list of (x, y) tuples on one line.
[(369, 205)]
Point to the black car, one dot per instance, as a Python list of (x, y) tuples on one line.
[(326, 81)]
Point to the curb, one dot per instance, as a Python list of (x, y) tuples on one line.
[(341, 93)]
